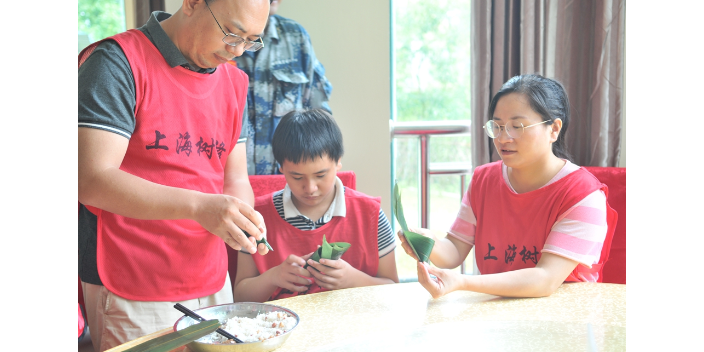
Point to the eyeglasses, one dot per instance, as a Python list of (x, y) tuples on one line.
[(493, 129), (234, 39)]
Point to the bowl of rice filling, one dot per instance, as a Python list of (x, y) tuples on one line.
[(260, 326)]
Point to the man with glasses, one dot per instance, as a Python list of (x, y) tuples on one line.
[(162, 176), (284, 76)]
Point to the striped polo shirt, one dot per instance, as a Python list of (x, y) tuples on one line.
[(288, 211)]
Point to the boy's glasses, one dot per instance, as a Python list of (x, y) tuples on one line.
[(234, 39), (493, 129)]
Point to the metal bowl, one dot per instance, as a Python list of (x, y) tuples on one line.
[(224, 312)]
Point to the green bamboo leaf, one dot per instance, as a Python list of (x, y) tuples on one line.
[(398, 208), (177, 339), (338, 249), (422, 246), (332, 251), (326, 249), (315, 256), (263, 240)]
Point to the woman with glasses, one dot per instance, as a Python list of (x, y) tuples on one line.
[(534, 218)]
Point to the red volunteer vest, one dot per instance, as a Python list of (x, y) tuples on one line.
[(81, 323), (512, 228), (186, 125), (359, 228)]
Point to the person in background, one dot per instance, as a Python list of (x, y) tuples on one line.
[(313, 204), (534, 218), (162, 176), (284, 76)]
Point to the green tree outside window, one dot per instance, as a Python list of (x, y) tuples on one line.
[(98, 19), (432, 78)]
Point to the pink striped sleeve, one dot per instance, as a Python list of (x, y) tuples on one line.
[(465, 224), (579, 233)]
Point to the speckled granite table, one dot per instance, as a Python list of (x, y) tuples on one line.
[(578, 317)]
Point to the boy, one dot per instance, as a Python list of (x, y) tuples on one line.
[(308, 147)]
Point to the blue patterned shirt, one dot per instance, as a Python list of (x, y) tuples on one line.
[(285, 75)]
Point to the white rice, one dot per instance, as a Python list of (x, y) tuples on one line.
[(264, 326)]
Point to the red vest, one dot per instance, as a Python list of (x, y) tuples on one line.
[(512, 228), (359, 228), (186, 125), (81, 323)]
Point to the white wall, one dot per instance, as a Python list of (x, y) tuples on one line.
[(351, 39), (172, 6), (129, 14)]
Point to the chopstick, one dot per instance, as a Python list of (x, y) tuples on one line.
[(195, 316)]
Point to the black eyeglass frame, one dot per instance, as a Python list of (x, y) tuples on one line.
[(249, 45)]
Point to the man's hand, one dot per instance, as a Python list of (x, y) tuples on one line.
[(290, 274), (445, 282), (226, 216), (262, 248), (333, 274)]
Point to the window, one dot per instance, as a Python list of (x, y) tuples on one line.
[(98, 19), (431, 50)]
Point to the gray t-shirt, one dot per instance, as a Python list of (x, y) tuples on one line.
[(106, 101)]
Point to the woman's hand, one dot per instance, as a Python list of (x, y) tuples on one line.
[(404, 242), (333, 274), (291, 275), (445, 282)]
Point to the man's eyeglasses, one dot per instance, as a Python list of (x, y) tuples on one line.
[(493, 129), (234, 39)]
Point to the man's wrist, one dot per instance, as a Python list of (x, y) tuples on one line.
[(196, 204)]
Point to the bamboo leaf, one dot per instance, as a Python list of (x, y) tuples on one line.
[(177, 339), (338, 249), (422, 246), (315, 256), (263, 240), (398, 208), (327, 249), (332, 251)]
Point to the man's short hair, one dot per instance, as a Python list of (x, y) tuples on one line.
[(307, 135)]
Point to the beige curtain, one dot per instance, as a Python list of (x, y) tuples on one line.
[(578, 42)]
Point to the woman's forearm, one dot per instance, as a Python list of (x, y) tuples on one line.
[(540, 281), (529, 282), (446, 255)]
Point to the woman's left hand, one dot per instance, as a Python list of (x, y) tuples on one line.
[(333, 274), (445, 282)]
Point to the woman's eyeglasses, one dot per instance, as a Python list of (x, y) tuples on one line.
[(493, 129)]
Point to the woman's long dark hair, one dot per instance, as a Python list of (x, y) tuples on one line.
[(547, 97)]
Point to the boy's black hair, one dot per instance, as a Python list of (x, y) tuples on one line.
[(307, 135)]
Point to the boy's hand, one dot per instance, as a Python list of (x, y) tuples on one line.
[(333, 274), (290, 274), (404, 242)]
